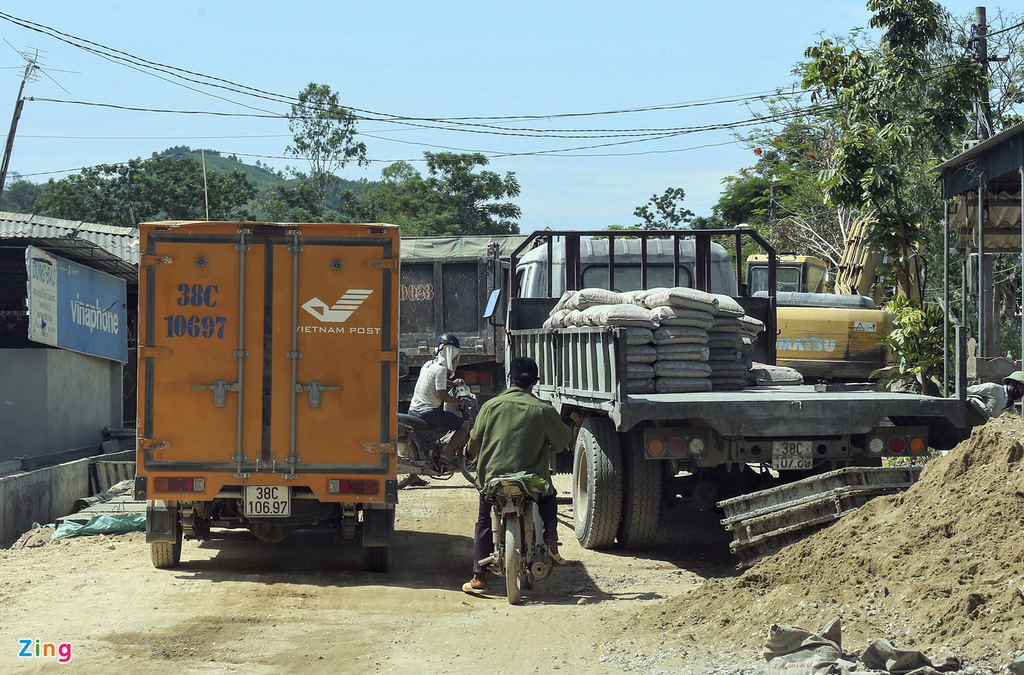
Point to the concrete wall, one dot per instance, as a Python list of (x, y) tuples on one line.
[(53, 400), (40, 496)]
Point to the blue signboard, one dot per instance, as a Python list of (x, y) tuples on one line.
[(76, 307)]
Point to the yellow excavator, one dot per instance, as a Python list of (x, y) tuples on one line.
[(825, 336)]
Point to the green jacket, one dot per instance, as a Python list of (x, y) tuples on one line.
[(516, 431)]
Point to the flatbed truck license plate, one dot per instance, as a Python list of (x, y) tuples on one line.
[(791, 455), (267, 501)]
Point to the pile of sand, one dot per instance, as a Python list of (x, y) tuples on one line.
[(939, 568)]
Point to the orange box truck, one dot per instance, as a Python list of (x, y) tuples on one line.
[(268, 358)]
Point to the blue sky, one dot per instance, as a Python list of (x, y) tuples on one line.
[(438, 60)]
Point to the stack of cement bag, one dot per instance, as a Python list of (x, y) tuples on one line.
[(672, 335)]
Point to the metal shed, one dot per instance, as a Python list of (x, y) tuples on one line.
[(983, 190)]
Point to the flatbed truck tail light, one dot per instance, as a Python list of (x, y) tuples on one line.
[(897, 444), (470, 376), (668, 443), (167, 484), (918, 444), (353, 487)]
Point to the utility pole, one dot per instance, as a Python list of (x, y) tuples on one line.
[(30, 70), (981, 54)]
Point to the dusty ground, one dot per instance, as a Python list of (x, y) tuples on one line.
[(241, 605), (939, 568)]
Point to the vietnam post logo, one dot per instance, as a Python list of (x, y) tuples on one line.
[(341, 310)]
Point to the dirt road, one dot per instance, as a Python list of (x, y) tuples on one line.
[(305, 604)]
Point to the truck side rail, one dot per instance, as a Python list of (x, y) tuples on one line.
[(582, 366)]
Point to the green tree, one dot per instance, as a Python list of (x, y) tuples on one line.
[(454, 198), (140, 190), (20, 195), (323, 132), (664, 211), (897, 110)]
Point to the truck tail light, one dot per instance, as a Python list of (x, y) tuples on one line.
[(164, 484), (676, 446), (470, 376), (917, 444), (376, 230), (897, 444), (484, 376), (656, 447), (353, 487)]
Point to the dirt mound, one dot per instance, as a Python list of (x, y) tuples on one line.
[(939, 568)]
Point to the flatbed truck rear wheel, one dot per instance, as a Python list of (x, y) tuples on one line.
[(597, 483), (376, 558), (165, 554), (641, 494)]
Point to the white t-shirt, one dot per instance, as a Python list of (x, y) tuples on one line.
[(433, 376)]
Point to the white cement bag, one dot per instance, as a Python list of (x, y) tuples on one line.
[(619, 315), (680, 296), (682, 369), (592, 297), (564, 302), (557, 319), (682, 352), (752, 325), (726, 306), (670, 335), (678, 316), (679, 385)]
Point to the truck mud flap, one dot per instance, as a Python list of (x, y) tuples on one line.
[(378, 525), (764, 522), (161, 524)]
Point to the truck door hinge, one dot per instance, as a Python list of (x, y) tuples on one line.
[(220, 390), (155, 352), (153, 259), (386, 263), (314, 389)]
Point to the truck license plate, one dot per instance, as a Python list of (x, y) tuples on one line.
[(267, 501), (791, 455)]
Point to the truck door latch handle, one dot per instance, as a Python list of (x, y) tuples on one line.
[(314, 388), (220, 391)]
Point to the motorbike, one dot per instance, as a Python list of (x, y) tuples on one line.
[(420, 444), (520, 554)]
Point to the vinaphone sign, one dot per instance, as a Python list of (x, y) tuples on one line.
[(75, 307)]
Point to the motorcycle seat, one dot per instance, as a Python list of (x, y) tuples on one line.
[(412, 422)]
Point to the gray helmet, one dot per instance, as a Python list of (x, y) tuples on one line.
[(448, 339)]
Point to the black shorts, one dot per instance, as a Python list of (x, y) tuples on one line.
[(439, 417)]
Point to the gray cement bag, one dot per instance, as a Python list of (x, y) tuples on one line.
[(680, 296), (679, 385), (641, 354), (678, 316), (671, 335), (682, 369), (681, 352)]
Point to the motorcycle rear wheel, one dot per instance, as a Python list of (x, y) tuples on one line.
[(513, 557)]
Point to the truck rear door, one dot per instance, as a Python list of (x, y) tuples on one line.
[(269, 351)]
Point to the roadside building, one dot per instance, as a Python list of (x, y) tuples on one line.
[(68, 305)]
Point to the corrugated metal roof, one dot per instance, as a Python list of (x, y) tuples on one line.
[(110, 248)]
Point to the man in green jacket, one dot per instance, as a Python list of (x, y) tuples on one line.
[(515, 431)]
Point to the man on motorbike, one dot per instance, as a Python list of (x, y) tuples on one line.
[(515, 431), (431, 393)]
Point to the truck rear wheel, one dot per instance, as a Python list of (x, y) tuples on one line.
[(376, 558), (641, 495), (165, 554), (597, 483)]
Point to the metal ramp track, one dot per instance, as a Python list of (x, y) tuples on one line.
[(764, 522)]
